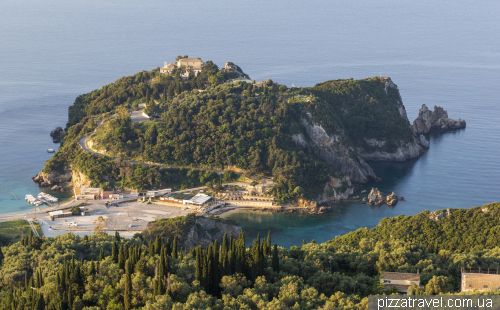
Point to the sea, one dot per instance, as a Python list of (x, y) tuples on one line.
[(437, 52)]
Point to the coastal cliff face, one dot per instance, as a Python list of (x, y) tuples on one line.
[(336, 189), (339, 156), (417, 145), (78, 178), (343, 145), (54, 177), (206, 231), (406, 151)]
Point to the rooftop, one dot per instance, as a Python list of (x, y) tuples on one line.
[(200, 199), (189, 59), (182, 196), (400, 276), (480, 281)]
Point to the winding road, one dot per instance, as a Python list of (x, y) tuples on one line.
[(136, 116)]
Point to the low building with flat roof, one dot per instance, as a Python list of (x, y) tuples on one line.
[(479, 281), (87, 192), (60, 213), (200, 200), (177, 198), (401, 281)]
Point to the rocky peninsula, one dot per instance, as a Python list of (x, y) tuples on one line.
[(314, 142)]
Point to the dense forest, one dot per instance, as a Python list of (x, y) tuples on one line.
[(154, 271), (202, 122)]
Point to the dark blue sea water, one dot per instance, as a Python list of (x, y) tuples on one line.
[(437, 53)]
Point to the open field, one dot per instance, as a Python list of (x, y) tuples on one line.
[(12, 231)]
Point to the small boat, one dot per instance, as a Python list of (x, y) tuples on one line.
[(51, 151)]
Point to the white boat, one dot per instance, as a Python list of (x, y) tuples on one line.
[(51, 151)]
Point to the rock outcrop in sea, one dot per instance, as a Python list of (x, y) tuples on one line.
[(438, 118), (376, 198), (57, 134), (54, 177)]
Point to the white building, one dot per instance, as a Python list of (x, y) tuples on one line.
[(194, 64)]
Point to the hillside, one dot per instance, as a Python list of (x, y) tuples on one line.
[(455, 230), (190, 231), (313, 141), (109, 272)]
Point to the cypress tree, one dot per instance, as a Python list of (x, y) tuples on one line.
[(225, 246), (121, 258), (210, 275), (199, 267), (157, 245), (227, 264), (127, 298), (70, 297), (174, 248), (92, 268), (78, 279), (40, 305), (204, 277), (125, 251), (151, 248), (63, 282), (215, 269), (268, 243), (114, 252), (167, 266), (275, 259), (169, 247), (147, 97), (155, 290), (262, 263), (117, 236), (101, 255)]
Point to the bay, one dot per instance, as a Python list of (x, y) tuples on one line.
[(438, 53)]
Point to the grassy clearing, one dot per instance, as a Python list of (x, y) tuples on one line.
[(12, 231)]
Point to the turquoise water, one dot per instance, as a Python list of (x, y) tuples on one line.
[(436, 53)]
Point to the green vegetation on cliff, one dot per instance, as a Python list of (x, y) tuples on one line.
[(460, 230), (224, 126), (109, 272), (368, 111)]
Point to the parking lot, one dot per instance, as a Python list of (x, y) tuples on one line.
[(128, 218)]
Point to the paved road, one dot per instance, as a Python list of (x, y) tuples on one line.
[(136, 116), (83, 145)]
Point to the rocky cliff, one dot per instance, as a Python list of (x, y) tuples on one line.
[(339, 156), (54, 177), (438, 118), (336, 189), (207, 230), (413, 148)]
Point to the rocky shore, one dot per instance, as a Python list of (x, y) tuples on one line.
[(57, 134)]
